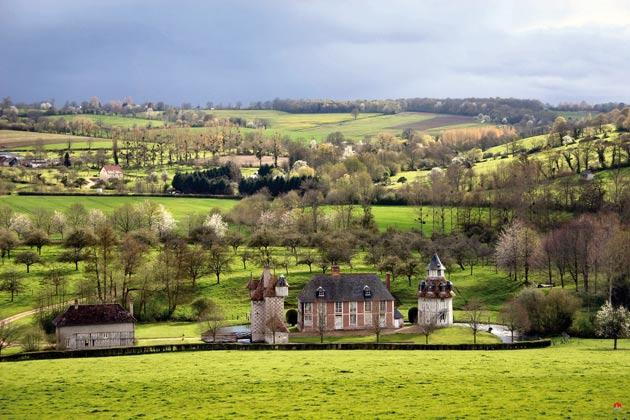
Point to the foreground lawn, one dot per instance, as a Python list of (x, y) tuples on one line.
[(580, 380)]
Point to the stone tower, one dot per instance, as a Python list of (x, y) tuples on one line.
[(435, 296), (267, 296)]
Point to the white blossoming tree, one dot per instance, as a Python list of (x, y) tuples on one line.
[(58, 222), (95, 218), (162, 222), (613, 322), (21, 224), (216, 223)]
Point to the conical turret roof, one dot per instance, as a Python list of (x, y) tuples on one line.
[(435, 263)]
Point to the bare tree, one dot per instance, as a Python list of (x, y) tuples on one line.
[(321, 319), (428, 328), (218, 260), (12, 283), (275, 325), (9, 334), (213, 318), (474, 313), (378, 324), (514, 316)]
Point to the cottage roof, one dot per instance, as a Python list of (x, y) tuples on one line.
[(397, 314), (112, 168), (345, 287), (435, 263), (109, 313)]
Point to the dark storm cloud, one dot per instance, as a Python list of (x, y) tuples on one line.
[(237, 50)]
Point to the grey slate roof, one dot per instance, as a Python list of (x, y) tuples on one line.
[(435, 263), (108, 313), (346, 287)]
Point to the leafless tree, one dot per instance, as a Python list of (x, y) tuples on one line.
[(321, 319), (9, 334), (427, 328), (514, 316), (474, 313), (213, 319)]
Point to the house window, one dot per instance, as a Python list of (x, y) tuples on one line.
[(338, 307), (321, 292), (308, 319), (381, 320), (368, 319), (308, 308), (367, 306), (353, 313), (383, 305)]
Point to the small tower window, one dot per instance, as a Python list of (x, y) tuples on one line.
[(321, 292), (367, 292)]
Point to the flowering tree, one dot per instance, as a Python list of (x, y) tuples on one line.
[(163, 221), (613, 322), (518, 249), (58, 222), (216, 223), (95, 218), (20, 224)]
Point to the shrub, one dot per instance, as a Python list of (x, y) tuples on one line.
[(583, 326), (412, 315), (402, 180), (31, 339), (292, 317), (548, 313)]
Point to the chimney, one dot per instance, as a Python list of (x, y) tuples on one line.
[(388, 280), (131, 306), (76, 304), (334, 271)]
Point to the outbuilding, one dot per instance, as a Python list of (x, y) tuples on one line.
[(95, 326)]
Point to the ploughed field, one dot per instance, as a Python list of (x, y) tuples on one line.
[(582, 379)]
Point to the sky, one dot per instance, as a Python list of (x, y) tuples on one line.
[(229, 51)]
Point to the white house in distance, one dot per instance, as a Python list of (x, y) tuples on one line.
[(109, 172), (95, 326), (435, 296)]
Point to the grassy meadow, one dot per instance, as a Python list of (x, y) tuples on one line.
[(578, 380), (400, 217)]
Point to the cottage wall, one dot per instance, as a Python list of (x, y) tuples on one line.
[(96, 336)]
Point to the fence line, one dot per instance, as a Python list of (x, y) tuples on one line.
[(171, 348)]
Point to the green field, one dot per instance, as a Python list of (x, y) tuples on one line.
[(115, 120), (401, 217), (453, 335), (27, 140), (318, 126), (579, 380)]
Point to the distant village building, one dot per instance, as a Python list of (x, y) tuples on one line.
[(435, 296), (267, 296), (37, 163), (345, 302), (95, 326), (109, 172), (9, 159)]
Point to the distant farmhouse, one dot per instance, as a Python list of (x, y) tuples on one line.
[(9, 159), (267, 296), (95, 326), (346, 302), (435, 296), (109, 172)]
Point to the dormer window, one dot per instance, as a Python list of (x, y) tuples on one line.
[(367, 292), (320, 292)]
